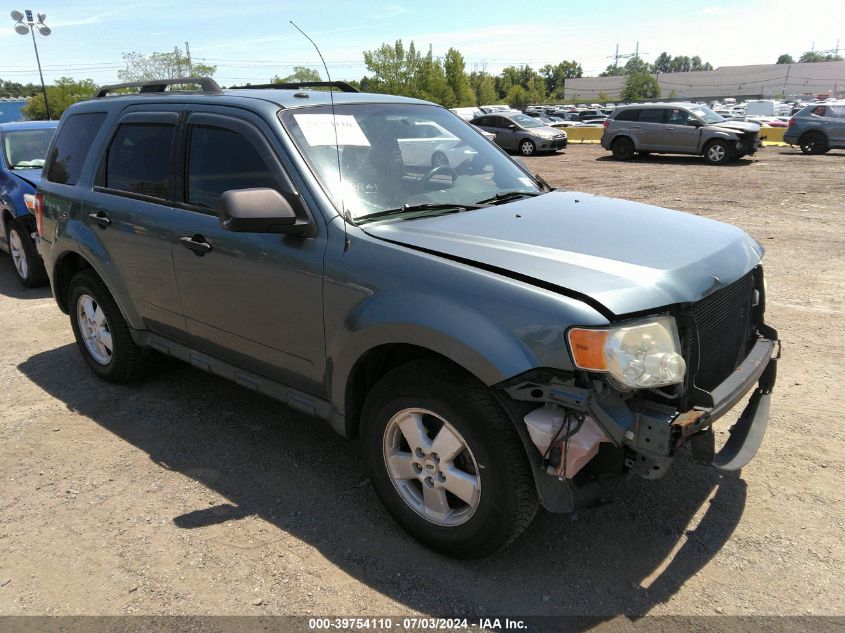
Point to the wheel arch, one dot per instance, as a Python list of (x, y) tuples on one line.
[(67, 266), (372, 366), (622, 135), (813, 130)]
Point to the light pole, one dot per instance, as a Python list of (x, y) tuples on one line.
[(25, 23)]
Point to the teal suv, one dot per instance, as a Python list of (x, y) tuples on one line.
[(376, 262)]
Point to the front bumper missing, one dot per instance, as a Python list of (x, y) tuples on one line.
[(746, 435)]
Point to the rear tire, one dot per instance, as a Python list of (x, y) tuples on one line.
[(814, 143), (25, 260), (446, 461), (623, 148), (102, 333)]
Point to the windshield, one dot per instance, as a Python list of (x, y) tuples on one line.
[(707, 115), (525, 121), (397, 155), (26, 149)]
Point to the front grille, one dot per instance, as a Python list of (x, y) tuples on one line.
[(721, 333)]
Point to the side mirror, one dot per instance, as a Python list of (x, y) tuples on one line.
[(512, 126), (260, 210)]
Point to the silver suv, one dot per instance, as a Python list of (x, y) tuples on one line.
[(678, 128)]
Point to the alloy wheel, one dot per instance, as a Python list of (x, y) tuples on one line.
[(95, 329), (432, 467), (19, 258)]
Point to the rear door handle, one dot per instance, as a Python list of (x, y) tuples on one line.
[(196, 243), (100, 218), (636, 127)]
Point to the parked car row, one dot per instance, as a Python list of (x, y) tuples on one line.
[(686, 128)]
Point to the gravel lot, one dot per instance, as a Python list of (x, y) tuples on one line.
[(186, 494)]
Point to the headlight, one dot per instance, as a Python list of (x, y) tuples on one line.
[(640, 354)]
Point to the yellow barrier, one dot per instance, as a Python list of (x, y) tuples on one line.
[(770, 135), (583, 134)]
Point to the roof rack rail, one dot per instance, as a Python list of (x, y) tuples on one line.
[(298, 85), (207, 84)]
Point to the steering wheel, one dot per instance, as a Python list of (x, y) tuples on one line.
[(439, 169)]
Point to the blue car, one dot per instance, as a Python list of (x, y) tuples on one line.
[(23, 147)]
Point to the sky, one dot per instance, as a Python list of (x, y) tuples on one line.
[(252, 41)]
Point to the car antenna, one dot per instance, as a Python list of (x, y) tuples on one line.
[(345, 214)]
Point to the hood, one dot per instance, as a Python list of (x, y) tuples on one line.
[(545, 131), (30, 176), (742, 126), (624, 255)]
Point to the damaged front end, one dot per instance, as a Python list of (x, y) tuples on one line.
[(633, 407)]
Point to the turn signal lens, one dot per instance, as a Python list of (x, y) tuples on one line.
[(588, 348)]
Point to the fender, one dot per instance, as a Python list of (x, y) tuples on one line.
[(456, 331)]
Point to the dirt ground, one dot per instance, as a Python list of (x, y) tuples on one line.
[(186, 494)]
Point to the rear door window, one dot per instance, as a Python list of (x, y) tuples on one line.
[(138, 160), (64, 164), (651, 115)]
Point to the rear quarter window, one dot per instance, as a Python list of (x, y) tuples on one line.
[(73, 142)]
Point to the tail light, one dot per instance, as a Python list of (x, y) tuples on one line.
[(606, 123), (791, 122), (39, 214)]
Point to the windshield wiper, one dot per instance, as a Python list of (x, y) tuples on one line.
[(508, 196), (425, 206)]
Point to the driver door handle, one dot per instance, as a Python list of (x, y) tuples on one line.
[(100, 218), (196, 243)]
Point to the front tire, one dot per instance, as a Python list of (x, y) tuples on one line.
[(814, 143), (527, 147), (718, 153), (446, 460), (102, 333), (25, 260)]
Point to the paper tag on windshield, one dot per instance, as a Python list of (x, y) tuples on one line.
[(319, 129)]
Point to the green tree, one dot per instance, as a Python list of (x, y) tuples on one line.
[(680, 64), (14, 89), (556, 76), (663, 63), (432, 83), (603, 97), (484, 86), (518, 97), (394, 69), (162, 66), (641, 85), (613, 70), (786, 58), (300, 73), (457, 78), (636, 65), (526, 78), (64, 93), (812, 56)]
